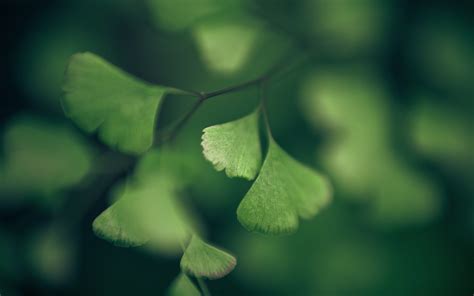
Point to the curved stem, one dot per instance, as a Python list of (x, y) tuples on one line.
[(263, 107), (182, 92), (232, 88), (203, 96), (266, 76), (202, 285), (182, 122)]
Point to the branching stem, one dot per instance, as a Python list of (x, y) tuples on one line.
[(203, 96)]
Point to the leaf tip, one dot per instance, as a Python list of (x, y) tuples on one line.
[(107, 228), (273, 228), (203, 260)]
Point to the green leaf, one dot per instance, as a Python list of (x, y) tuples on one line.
[(442, 132), (225, 42), (203, 260), (42, 159), (100, 96), (110, 226), (284, 190), (234, 147), (147, 210), (182, 286)]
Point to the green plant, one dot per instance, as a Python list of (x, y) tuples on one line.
[(148, 210)]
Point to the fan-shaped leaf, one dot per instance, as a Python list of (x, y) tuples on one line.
[(100, 96), (147, 210), (284, 190), (234, 147), (203, 260), (109, 226), (182, 286)]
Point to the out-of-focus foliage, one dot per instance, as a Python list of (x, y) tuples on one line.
[(226, 42), (382, 103), (361, 155), (147, 210), (41, 160), (181, 14), (226, 36), (442, 132), (346, 27)]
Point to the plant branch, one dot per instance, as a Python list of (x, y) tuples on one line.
[(203, 96), (263, 107), (234, 88), (182, 92), (230, 89), (202, 285), (182, 122)]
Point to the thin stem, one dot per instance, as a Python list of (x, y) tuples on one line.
[(182, 122), (182, 92), (263, 107), (266, 76), (203, 96), (232, 88), (202, 285)]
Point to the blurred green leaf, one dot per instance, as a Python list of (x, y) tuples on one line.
[(110, 225), (442, 133), (203, 260), (182, 286), (359, 110), (225, 43), (404, 196), (346, 27), (99, 96), (234, 146), (42, 158), (284, 190), (360, 153), (147, 210)]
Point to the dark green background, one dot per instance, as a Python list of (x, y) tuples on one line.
[(339, 252)]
